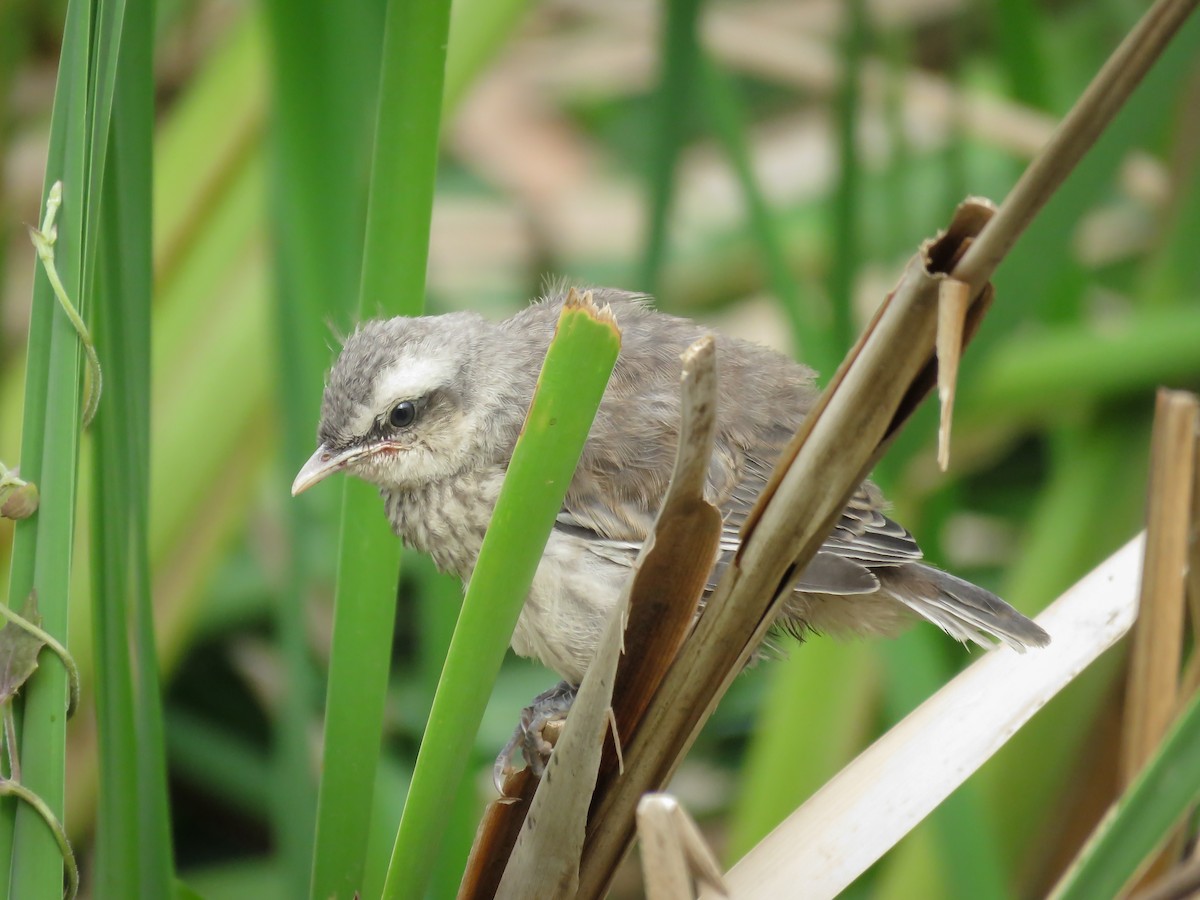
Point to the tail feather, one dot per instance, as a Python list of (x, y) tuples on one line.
[(962, 610)]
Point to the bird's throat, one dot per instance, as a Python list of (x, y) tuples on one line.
[(446, 519)]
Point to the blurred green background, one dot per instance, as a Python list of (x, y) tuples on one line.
[(766, 166)]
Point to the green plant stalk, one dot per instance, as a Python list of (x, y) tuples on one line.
[(405, 159), (391, 789), (439, 597), (31, 864), (572, 381), (134, 853), (364, 620), (43, 242), (203, 463), (403, 171), (1144, 816), (325, 63), (680, 55)]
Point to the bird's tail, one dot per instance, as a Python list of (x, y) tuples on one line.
[(962, 610)]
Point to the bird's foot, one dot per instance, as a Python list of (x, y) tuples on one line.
[(543, 717)]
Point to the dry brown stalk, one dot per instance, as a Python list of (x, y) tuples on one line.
[(1152, 696), (1153, 692), (1193, 589)]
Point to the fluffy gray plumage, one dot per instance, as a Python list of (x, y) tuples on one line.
[(469, 382)]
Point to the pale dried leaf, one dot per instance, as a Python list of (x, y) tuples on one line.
[(674, 852), (875, 801), (954, 300)]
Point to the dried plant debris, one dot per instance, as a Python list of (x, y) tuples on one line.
[(21, 640), (954, 301), (674, 852), (18, 498)]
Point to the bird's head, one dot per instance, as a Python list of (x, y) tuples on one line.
[(399, 406)]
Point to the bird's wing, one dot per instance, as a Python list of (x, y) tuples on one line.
[(863, 538)]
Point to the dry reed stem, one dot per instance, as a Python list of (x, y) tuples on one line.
[(1190, 682), (1152, 694), (1193, 579)]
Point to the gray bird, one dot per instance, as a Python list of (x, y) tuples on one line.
[(429, 409)]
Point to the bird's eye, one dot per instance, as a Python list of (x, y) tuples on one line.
[(403, 414)]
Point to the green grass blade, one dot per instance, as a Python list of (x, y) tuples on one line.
[(573, 378), (132, 174), (393, 281), (325, 65), (42, 545), (1145, 815), (680, 55), (134, 856), (360, 659), (405, 162)]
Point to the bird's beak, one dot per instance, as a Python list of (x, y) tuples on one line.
[(319, 466)]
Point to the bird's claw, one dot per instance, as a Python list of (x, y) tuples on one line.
[(544, 715)]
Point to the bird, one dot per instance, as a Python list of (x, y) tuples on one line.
[(429, 408)]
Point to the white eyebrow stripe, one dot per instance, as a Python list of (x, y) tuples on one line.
[(410, 379)]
